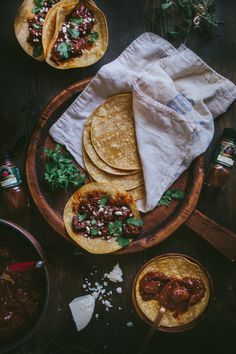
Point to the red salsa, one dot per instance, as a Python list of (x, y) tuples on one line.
[(173, 293), (75, 35), (99, 215), (20, 294), (36, 24)]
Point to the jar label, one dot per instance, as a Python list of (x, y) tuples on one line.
[(225, 153), (9, 176)]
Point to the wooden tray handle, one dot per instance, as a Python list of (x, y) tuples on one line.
[(221, 238)]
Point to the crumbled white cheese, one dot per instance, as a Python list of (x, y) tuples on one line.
[(115, 275), (107, 303), (82, 310), (119, 290), (129, 324)]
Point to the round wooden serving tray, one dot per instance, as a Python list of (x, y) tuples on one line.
[(158, 224)]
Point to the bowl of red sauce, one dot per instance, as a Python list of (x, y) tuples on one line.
[(176, 282), (23, 295)]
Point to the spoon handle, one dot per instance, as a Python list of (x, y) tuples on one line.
[(24, 266), (152, 330)]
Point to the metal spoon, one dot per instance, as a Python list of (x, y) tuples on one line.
[(152, 330), (19, 268)]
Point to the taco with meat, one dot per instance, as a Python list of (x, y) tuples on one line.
[(178, 283), (29, 23), (80, 37), (101, 219)]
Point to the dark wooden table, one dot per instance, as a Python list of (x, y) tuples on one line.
[(26, 87)]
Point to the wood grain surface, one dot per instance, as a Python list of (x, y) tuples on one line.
[(27, 86)]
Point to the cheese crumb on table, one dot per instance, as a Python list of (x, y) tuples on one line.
[(119, 290), (129, 324), (115, 275)]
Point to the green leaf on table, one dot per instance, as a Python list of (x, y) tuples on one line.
[(169, 195), (166, 5)]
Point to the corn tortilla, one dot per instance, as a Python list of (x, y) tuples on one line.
[(113, 133), (94, 157), (172, 265), (125, 182), (95, 245), (138, 192)]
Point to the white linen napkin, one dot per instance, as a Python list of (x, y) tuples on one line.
[(175, 98)]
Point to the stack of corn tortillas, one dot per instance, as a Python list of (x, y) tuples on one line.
[(109, 146)]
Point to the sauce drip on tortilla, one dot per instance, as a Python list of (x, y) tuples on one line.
[(75, 35), (173, 293)]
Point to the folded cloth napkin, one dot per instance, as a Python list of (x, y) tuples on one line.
[(176, 96)]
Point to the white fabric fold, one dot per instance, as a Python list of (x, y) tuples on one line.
[(175, 98)]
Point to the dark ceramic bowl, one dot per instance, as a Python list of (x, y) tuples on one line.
[(174, 264), (17, 238)]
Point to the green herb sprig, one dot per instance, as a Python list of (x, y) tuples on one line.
[(172, 194), (60, 170), (196, 15)]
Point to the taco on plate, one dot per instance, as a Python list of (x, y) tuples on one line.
[(101, 219), (80, 37), (29, 23), (176, 282)]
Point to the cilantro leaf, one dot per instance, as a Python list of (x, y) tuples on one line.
[(81, 217), (73, 33), (93, 37), (64, 49), (94, 231), (36, 26), (37, 51), (123, 241), (103, 200), (60, 170), (39, 3), (168, 196), (135, 222), (177, 194), (76, 21), (93, 222), (115, 228), (36, 9)]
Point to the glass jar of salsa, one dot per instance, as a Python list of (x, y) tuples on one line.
[(223, 160), (13, 192)]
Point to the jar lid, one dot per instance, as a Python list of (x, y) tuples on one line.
[(229, 133)]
